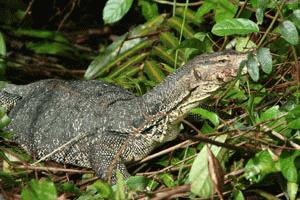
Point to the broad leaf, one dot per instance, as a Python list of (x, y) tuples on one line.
[(199, 178), (167, 179), (39, 190), (114, 10), (252, 67), (120, 49), (237, 26), (205, 8), (259, 166), (137, 183), (149, 9), (211, 116), (296, 18), (287, 165), (292, 189), (289, 32), (265, 59), (224, 9)]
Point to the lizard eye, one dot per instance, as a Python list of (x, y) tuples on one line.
[(197, 74)]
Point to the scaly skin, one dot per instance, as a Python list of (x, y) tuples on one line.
[(101, 126)]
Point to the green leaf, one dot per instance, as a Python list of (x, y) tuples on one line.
[(70, 187), (289, 32), (270, 113), (191, 43), (121, 49), (292, 189), (211, 116), (224, 9), (167, 179), (205, 8), (98, 190), (238, 195), (265, 59), (39, 190), (149, 9), (287, 165), (120, 192), (259, 15), (4, 121), (131, 62), (296, 18), (137, 183), (169, 40), (42, 34), (153, 71), (176, 23), (199, 177), (252, 67), (163, 54), (190, 15), (294, 124), (114, 10), (243, 44), (52, 48), (259, 166), (237, 26), (2, 55)]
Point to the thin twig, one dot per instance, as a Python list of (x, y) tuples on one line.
[(53, 169), (58, 149)]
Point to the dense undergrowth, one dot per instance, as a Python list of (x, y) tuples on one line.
[(254, 122)]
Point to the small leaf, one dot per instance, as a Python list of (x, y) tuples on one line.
[(287, 165), (42, 34), (259, 15), (224, 9), (39, 190), (211, 116), (294, 124), (252, 67), (205, 8), (114, 10), (153, 71), (289, 32), (292, 189), (169, 40), (237, 26), (70, 187), (259, 166), (243, 44), (265, 59), (4, 121), (167, 179), (149, 9), (2, 55), (137, 183), (238, 195), (191, 43), (189, 15), (296, 18), (131, 62), (176, 23), (120, 187)]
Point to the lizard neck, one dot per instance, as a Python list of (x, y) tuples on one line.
[(179, 92)]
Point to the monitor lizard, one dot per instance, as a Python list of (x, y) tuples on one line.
[(97, 125)]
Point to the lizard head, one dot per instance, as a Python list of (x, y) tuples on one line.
[(212, 71)]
